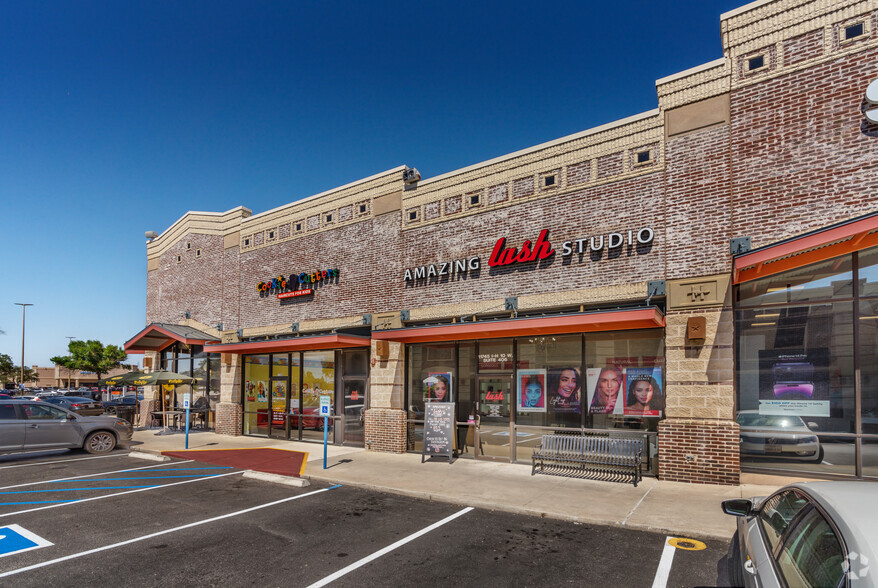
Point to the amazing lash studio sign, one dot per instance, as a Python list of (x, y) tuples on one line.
[(505, 255)]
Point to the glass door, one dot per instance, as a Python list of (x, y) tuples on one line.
[(355, 411), (493, 434), (280, 396)]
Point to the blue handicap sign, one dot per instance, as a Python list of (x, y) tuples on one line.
[(15, 539)]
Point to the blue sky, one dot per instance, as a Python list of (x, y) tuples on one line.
[(118, 117)]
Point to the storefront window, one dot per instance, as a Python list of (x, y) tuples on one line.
[(868, 273), (827, 280), (318, 378), (549, 381), (256, 374), (624, 380)]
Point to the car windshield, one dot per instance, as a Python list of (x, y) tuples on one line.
[(767, 420)]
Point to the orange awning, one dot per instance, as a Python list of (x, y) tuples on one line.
[(305, 343), (613, 320), (807, 249)]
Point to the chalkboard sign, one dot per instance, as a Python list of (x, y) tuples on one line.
[(438, 430)]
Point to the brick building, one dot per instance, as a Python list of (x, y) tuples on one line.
[(703, 276)]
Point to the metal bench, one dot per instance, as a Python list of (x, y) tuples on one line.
[(575, 455)]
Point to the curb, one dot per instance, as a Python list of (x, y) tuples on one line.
[(277, 479), (150, 456)]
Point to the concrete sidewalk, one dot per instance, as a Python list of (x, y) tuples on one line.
[(685, 510)]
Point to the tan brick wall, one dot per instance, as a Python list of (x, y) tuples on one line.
[(387, 378)]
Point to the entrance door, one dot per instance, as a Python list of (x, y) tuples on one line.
[(493, 418), (280, 393), (354, 411)]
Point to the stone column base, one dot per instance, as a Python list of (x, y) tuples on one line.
[(699, 451), (386, 430), (229, 419), (145, 420)]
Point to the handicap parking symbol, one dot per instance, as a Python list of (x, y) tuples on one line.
[(15, 539)]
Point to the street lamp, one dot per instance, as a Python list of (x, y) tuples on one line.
[(23, 306)]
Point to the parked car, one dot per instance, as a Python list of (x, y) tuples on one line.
[(45, 393), (26, 424), (111, 405), (83, 406), (806, 534), (785, 436)]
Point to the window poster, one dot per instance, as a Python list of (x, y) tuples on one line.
[(565, 390), (644, 392), (794, 382), (437, 387), (604, 385), (531, 390)]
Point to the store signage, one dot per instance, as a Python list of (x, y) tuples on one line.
[(872, 99), (296, 282), (294, 293), (504, 255)]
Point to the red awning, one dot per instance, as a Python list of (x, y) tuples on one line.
[(807, 249), (305, 343), (157, 336), (614, 320)]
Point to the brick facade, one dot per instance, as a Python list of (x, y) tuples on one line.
[(765, 153)]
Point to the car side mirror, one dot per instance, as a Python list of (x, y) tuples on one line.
[(738, 507), (813, 426)]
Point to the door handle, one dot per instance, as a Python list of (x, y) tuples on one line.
[(34, 426)]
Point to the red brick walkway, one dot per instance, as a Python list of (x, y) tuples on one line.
[(262, 459)]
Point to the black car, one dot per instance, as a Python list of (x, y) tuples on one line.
[(83, 406), (110, 405)]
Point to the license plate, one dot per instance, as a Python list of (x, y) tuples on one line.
[(772, 449)]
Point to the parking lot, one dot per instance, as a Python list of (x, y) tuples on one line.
[(122, 521)]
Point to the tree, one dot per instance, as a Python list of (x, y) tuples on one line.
[(7, 368), (64, 361), (92, 356)]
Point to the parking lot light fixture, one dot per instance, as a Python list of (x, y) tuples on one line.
[(23, 306)]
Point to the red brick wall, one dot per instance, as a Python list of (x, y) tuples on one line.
[(802, 156), (229, 419), (699, 451), (386, 430), (803, 47)]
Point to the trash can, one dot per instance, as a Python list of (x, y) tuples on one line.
[(126, 413)]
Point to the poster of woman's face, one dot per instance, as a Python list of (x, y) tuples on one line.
[(644, 394), (531, 390), (605, 386), (437, 387), (564, 389)]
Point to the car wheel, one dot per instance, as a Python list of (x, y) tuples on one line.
[(111, 409), (736, 574), (100, 442), (819, 458)]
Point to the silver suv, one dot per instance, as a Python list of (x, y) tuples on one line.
[(29, 424)]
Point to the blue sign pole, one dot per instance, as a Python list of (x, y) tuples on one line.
[(325, 428), (187, 426)]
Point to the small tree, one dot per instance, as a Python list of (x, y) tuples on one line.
[(92, 356), (64, 361), (7, 368)]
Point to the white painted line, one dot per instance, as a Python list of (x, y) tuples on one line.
[(826, 462), (160, 533), (24, 465), (149, 456), (636, 505), (88, 475), (6, 514), (664, 567), (386, 550), (39, 541), (277, 479)]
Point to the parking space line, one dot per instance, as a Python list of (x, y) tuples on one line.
[(386, 550), (165, 532), (87, 476), (24, 465), (137, 478), (664, 567), (6, 514), (75, 489), (36, 502)]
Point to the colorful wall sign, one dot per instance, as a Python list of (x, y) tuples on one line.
[(296, 282)]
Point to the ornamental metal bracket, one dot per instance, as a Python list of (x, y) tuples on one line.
[(739, 245)]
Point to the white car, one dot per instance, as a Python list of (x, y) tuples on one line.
[(786, 437)]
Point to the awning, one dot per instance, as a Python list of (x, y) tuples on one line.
[(612, 320), (157, 336), (811, 248), (305, 343)]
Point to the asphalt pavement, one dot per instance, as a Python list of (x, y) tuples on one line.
[(118, 520)]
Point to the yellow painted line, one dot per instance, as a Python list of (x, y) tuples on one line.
[(687, 544), (304, 462)]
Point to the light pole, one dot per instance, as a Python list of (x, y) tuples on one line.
[(23, 306), (69, 339)]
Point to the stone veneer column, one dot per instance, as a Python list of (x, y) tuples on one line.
[(699, 439), (386, 416), (229, 412), (151, 399)]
